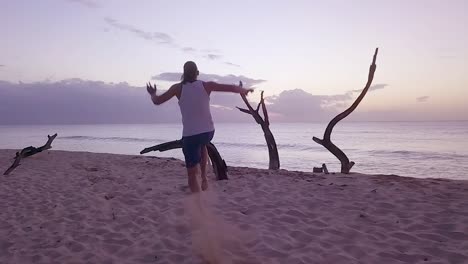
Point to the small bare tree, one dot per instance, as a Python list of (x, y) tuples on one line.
[(346, 165), (265, 124)]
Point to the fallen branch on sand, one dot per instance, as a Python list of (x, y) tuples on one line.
[(219, 165), (29, 151), (265, 124), (346, 165)]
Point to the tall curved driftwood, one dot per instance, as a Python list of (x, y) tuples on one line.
[(346, 165), (29, 151), (265, 124), (219, 165)]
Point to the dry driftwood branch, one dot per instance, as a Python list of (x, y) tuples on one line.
[(346, 165), (324, 168), (164, 146), (14, 165), (265, 124), (29, 151), (219, 165)]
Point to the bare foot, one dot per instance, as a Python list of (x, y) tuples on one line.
[(204, 184)]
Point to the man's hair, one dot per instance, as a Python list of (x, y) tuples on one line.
[(190, 72)]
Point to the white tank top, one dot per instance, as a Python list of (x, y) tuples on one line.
[(194, 106)]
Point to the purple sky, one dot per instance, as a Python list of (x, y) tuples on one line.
[(306, 55)]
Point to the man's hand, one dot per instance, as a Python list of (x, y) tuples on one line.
[(247, 91), (151, 89)]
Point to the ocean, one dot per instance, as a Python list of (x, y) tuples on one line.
[(415, 149)]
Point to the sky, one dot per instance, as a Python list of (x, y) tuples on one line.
[(310, 57)]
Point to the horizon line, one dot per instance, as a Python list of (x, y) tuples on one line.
[(242, 122)]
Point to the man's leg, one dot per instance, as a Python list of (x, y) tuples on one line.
[(191, 152), (204, 159), (192, 174)]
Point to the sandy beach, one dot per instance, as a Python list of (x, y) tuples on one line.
[(77, 207)]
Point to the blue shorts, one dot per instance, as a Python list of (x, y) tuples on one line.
[(192, 147)]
